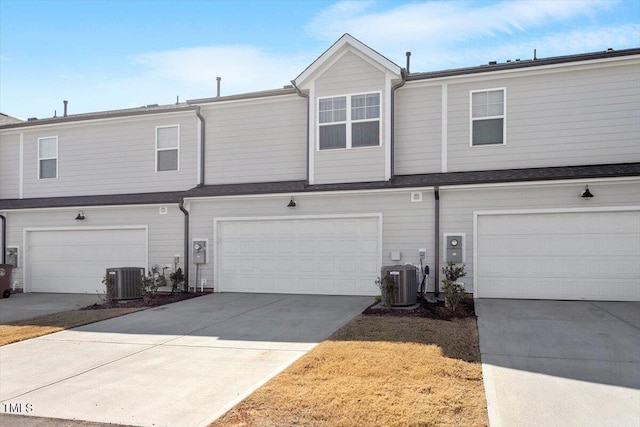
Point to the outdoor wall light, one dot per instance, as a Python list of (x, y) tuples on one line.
[(292, 203), (80, 216), (586, 194)]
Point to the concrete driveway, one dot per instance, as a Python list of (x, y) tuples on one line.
[(181, 364), (560, 363), (26, 306)]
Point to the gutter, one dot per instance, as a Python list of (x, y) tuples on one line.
[(403, 74), (436, 249), (186, 245), (304, 95), (202, 130), (3, 257)]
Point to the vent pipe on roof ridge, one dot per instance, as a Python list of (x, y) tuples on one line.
[(65, 107), (218, 84), (408, 61)]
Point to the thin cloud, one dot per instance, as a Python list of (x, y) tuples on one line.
[(242, 68), (456, 34)]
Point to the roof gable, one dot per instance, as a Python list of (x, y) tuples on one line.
[(346, 43)]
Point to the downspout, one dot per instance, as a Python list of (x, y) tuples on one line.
[(4, 239), (403, 74), (303, 95), (187, 247), (436, 249), (201, 183)]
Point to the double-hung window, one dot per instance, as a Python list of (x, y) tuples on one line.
[(48, 157), (349, 121), (488, 117), (167, 148)]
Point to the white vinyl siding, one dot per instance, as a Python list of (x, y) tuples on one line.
[(349, 121), (9, 165), (111, 156), (488, 118), (168, 148), (48, 157), (258, 140), (561, 117), (418, 129)]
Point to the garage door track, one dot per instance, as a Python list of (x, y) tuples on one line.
[(560, 363), (182, 364)]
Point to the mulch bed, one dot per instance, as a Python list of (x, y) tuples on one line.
[(158, 300), (436, 310)]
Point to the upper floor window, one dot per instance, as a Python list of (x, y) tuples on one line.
[(167, 148), (349, 121), (488, 117), (48, 157)]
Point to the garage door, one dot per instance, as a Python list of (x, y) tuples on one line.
[(74, 261), (331, 256), (572, 255)]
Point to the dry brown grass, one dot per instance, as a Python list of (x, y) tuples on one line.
[(377, 371), (49, 323)]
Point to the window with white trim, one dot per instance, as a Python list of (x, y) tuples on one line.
[(48, 157), (349, 121), (167, 148), (488, 117)]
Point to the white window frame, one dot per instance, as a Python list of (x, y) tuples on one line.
[(47, 158), (348, 122), (503, 116), (177, 148)]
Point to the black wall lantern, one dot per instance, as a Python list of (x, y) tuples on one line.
[(586, 194), (80, 216), (292, 203)]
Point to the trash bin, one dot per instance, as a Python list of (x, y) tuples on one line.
[(5, 279)]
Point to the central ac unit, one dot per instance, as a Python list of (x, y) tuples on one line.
[(406, 283), (126, 283)]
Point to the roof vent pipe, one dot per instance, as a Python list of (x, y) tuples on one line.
[(218, 91), (408, 61), (65, 107)]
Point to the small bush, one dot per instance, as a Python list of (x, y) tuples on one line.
[(388, 288), (454, 291)]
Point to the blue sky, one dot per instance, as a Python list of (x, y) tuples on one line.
[(103, 55)]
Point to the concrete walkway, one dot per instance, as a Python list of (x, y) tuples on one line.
[(26, 306), (560, 363), (182, 364)]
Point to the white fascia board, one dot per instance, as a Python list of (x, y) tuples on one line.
[(252, 101), (309, 194), (90, 121), (540, 183), (85, 208), (526, 71)]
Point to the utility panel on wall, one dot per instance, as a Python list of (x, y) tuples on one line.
[(454, 246)]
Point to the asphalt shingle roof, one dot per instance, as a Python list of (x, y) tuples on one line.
[(401, 181)]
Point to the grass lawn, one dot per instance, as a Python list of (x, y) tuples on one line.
[(21, 330), (377, 371)]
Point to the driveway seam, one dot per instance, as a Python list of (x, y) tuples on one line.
[(613, 315)]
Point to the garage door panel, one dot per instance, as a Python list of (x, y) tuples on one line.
[(314, 256), (74, 261), (572, 255)]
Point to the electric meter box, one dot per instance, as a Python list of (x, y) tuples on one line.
[(454, 247), (199, 247)]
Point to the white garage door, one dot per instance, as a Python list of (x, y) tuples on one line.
[(331, 256), (573, 255), (74, 261)]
